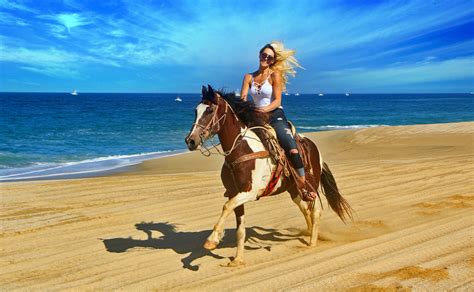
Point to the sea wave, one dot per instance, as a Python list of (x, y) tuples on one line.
[(83, 168), (338, 127)]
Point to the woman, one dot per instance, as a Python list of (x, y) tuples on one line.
[(265, 86)]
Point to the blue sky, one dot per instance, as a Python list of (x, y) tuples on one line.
[(176, 46)]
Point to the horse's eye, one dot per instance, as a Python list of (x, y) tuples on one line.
[(209, 110)]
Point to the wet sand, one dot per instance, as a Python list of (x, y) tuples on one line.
[(412, 188)]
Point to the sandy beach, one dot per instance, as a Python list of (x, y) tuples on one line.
[(412, 189)]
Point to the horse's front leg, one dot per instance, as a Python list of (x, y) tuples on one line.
[(218, 232)]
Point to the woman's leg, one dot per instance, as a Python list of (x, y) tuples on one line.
[(285, 137), (287, 141)]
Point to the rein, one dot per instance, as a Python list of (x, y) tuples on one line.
[(214, 121), (208, 128)]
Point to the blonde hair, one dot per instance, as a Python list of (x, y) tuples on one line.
[(285, 62)]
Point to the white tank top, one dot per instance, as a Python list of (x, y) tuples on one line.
[(261, 93)]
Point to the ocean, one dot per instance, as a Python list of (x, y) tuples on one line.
[(56, 135)]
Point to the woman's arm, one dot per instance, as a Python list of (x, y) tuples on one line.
[(277, 89), (245, 87)]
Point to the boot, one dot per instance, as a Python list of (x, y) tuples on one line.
[(305, 194)]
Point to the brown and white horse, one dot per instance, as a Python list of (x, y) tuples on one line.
[(246, 173)]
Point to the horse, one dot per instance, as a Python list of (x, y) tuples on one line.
[(248, 170)]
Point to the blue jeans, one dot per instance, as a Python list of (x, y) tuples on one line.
[(279, 122)]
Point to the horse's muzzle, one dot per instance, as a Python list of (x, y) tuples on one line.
[(192, 145)]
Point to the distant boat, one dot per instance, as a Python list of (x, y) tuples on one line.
[(74, 92), (321, 94), (286, 93), (178, 99), (347, 94), (237, 93), (297, 94)]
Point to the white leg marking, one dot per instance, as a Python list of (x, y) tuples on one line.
[(302, 206), (218, 231), (315, 219), (240, 236)]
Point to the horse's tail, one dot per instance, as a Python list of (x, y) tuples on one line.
[(334, 197)]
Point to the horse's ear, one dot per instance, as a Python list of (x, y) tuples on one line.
[(213, 96), (204, 91), (210, 89)]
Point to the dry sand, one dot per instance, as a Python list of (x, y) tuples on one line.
[(412, 188)]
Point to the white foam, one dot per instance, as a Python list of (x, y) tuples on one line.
[(79, 168), (338, 127)]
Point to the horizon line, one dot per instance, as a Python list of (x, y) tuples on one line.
[(301, 93)]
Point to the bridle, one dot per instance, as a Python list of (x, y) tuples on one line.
[(216, 121), (212, 123)]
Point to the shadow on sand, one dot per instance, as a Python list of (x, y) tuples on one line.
[(191, 242)]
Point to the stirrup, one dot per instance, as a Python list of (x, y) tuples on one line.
[(308, 196)]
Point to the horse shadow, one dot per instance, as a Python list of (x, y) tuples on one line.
[(183, 242)]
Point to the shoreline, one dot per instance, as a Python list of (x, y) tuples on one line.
[(152, 165), (329, 143), (78, 172)]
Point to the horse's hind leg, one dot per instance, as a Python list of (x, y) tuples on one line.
[(315, 220), (315, 161), (302, 206), (240, 236), (312, 217)]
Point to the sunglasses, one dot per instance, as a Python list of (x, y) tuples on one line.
[(266, 57)]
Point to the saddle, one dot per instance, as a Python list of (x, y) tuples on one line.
[(278, 156), (282, 167)]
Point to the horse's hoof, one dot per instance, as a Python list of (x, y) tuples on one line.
[(312, 244), (234, 263), (210, 245)]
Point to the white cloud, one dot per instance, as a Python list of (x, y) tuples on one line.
[(222, 34), (425, 71), (118, 33), (391, 22), (72, 20), (57, 30), (8, 19), (51, 62), (28, 56), (206, 38), (53, 71), (202, 34), (67, 20), (14, 5)]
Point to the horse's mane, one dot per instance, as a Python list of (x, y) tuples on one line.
[(246, 111), (250, 115)]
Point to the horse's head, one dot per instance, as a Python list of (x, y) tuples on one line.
[(210, 115)]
